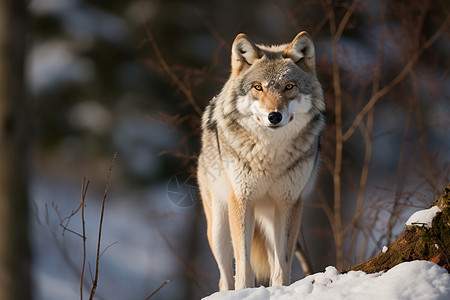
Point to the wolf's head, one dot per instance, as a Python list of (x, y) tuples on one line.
[(275, 85)]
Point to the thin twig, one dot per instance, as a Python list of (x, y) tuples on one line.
[(157, 289), (107, 247), (214, 32), (95, 281), (344, 20), (399, 181), (288, 12), (319, 26), (84, 187), (326, 207), (303, 256), (90, 271), (64, 227), (188, 270), (72, 266), (186, 91), (422, 137)]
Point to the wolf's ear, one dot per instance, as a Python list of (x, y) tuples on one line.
[(243, 53), (301, 51)]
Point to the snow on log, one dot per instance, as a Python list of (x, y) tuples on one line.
[(423, 217), (426, 237)]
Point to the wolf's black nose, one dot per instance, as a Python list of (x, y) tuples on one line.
[(275, 117)]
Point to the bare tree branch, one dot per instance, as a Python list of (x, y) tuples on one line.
[(408, 67)]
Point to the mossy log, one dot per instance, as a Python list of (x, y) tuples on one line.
[(417, 243)]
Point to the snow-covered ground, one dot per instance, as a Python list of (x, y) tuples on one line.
[(410, 280)]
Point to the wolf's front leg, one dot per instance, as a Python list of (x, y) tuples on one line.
[(242, 224), (293, 230), (221, 246), (280, 271)]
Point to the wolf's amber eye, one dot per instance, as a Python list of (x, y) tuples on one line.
[(258, 87), (289, 86)]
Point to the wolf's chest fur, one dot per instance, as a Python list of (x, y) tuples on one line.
[(263, 161), (269, 153)]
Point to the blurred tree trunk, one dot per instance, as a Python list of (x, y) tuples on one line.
[(14, 251)]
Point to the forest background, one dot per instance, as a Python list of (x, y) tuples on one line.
[(132, 77)]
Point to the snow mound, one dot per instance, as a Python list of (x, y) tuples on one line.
[(423, 217), (410, 280)]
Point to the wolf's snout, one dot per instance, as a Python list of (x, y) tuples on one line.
[(275, 117)]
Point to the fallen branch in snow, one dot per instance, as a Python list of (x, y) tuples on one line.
[(418, 242)]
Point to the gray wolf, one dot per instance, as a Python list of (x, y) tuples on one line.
[(260, 148)]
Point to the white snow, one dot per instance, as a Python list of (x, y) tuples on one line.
[(385, 249), (410, 280), (423, 217)]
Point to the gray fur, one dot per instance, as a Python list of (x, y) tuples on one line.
[(252, 159)]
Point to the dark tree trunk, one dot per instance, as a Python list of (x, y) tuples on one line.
[(417, 243), (14, 251)]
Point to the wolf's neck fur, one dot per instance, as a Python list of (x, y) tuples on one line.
[(259, 147)]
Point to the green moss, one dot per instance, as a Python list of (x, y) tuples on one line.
[(438, 234), (441, 228)]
